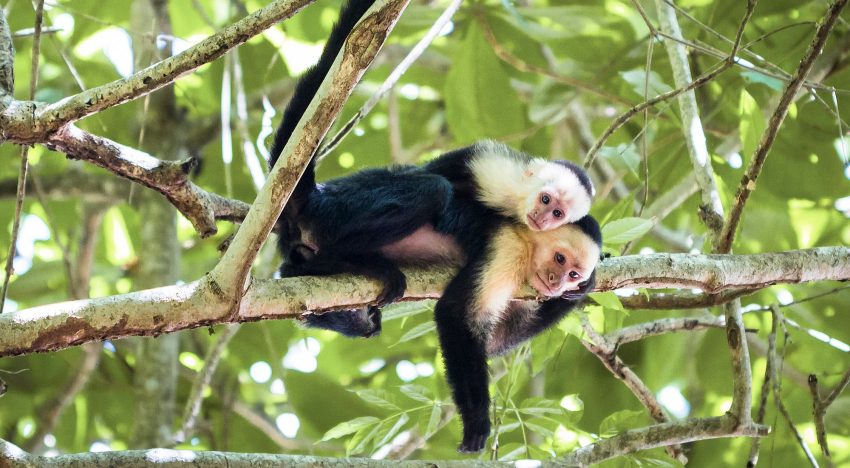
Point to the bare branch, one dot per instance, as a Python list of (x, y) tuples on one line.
[(742, 373), (661, 435), (171, 179), (202, 382), (711, 209), (845, 380), (681, 300), (607, 353), (748, 181), (717, 273), (7, 58), (623, 118), (662, 326), (777, 385), (621, 444), (818, 411), (391, 80), (201, 303), (51, 117)]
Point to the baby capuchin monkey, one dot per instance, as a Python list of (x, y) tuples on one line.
[(541, 194)]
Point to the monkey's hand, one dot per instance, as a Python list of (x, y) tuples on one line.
[(475, 435), (394, 286), (584, 289)]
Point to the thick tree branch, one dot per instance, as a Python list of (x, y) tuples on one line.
[(748, 181), (199, 303), (621, 444), (718, 273), (31, 122)]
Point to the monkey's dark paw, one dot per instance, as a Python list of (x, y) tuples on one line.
[(394, 288), (373, 314), (474, 436)]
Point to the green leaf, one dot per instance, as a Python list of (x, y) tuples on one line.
[(544, 431), (358, 443), (540, 406), (622, 156), (433, 420), (607, 299), (752, 124), (637, 79), (387, 432), (378, 398), (406, 309), (480, 102), (623, 420), (623, 230), (416, 332), (348, 427), (417, 392)]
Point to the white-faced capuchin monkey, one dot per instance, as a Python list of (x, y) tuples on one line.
[(372, 221)]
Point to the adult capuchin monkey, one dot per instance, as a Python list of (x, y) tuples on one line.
[(449, 211)]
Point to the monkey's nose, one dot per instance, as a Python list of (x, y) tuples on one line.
[(553, 279)]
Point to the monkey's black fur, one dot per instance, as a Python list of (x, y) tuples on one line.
[(341, 226)]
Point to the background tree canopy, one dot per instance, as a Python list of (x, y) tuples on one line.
[(545, 76)]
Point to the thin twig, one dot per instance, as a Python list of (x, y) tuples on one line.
[(818, 411), (845, 380), (606, 352), (769, 375), (391, 80), (748, 181), (777, 387), (202, 382), (623, 118), (22, 173)]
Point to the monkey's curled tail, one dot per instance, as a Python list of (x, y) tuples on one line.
[(307, 87)]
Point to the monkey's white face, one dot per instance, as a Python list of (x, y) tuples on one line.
[(558, 198), (562, 259)]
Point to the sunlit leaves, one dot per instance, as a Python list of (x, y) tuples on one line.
[(480, 102)]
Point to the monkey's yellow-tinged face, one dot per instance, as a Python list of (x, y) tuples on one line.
[(562, 259)]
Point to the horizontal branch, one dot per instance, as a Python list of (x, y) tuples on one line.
[(171, 179), (621, 444), (23, 120), (659, 436), (201, 303), (716, 273)]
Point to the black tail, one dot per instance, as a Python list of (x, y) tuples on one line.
[(307, 87)]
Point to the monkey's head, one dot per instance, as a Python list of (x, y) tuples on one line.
[(559, 192), (564, 258)]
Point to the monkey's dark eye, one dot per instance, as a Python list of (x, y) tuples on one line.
[(558, 213), (560, 258), (574, 275), (545, 199)]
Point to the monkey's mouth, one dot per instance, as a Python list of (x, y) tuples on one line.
[(545, 286), (533, 224)]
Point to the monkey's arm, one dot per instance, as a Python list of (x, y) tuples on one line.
[(465, 358)]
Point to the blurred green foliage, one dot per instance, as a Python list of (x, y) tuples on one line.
[(355, 396)]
